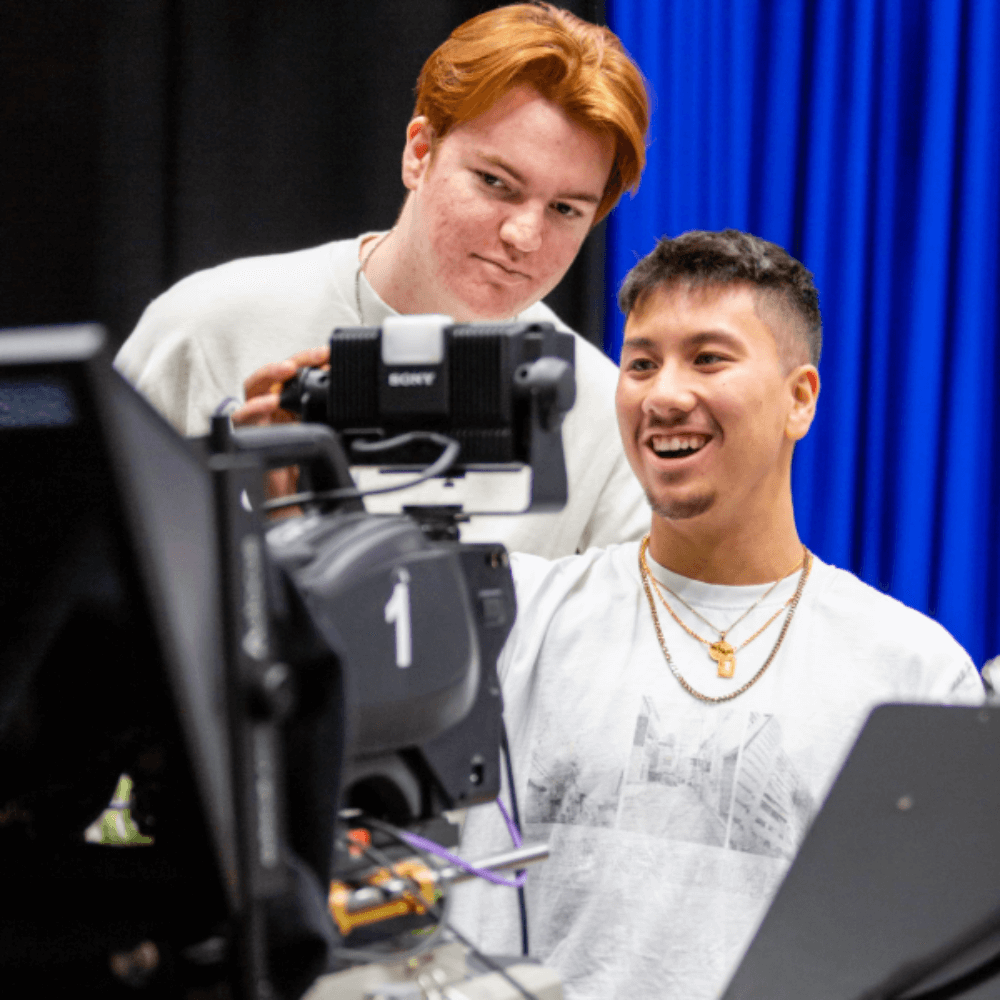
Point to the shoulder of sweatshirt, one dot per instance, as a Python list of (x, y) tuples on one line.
[(248, 290)]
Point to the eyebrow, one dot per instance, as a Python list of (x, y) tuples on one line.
[(705, 336), (498, 161), (639, 343), (695, 340)]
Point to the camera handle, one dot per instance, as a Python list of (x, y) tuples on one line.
[(550, 389), (315, 446)]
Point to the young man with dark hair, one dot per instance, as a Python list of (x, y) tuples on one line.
[(529, 125), (678, 707)]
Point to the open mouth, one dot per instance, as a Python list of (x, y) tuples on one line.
[(677, 445)]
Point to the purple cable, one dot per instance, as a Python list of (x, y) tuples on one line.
[(515, 833), (226, 407), (423, 844)]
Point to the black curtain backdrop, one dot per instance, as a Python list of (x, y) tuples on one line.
[(146, 139)]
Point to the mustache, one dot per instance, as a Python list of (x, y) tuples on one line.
[(681, 422)]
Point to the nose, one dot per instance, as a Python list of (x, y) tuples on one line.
[(671, 395), (522, 228)]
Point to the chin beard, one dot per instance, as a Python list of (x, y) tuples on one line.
[(681, 510)]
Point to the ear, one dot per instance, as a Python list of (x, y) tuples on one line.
[(417, 151), (803, 383)]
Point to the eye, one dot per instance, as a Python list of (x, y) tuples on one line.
[(566, 210), (705, 358), (492, 181), (640, 365)]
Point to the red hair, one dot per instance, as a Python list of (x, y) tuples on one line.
[(579, 66)]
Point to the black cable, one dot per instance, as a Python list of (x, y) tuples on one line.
[(960, 984), (440, 465), (490, 964), (516, 816)]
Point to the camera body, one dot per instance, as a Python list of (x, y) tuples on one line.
[(421, 623), (471, 381), (500, 390)]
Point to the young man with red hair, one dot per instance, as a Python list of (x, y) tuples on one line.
[(529, 124)]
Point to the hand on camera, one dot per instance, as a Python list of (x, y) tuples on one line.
[(263, 387), (262, 407)]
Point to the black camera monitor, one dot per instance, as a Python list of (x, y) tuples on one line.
[(895, 893), (111, 662)]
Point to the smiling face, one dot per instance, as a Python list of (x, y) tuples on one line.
[(708, 411), (499, 210)]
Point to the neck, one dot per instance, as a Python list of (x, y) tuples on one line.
[(741, 553), (399, 272), (378, 258)]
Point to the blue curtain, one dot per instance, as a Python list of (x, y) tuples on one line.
[(864, 137)]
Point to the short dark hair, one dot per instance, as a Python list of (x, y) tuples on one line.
[(730, 257)]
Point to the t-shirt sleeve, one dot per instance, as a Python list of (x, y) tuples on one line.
[(530, 574), (541, 587), (166, 363), (949, 675), (902, 654), (197, 342), (962, 684)]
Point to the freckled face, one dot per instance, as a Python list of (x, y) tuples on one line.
[(501, 208), (706, 409)]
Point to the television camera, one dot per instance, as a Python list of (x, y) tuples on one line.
[(295, 701)]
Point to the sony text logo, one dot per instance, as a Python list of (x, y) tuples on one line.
[(402, 379)]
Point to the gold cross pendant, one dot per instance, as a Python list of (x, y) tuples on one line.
[(725, 656)]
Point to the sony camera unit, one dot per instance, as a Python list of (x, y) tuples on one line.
[(498, 390)]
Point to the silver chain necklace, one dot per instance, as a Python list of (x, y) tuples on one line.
[(361, 267)]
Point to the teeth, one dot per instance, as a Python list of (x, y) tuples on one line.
[(691, 442)]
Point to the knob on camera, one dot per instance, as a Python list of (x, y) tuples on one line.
[(551, 383), (306, 394)]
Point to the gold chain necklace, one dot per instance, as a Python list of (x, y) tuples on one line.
[(715, 628), (646, 576), (721, 651)]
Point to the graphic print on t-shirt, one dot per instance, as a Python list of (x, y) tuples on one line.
[(718, 777), (560, 791)]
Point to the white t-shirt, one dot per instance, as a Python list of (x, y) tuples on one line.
[(196, 343), (672, 821)]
